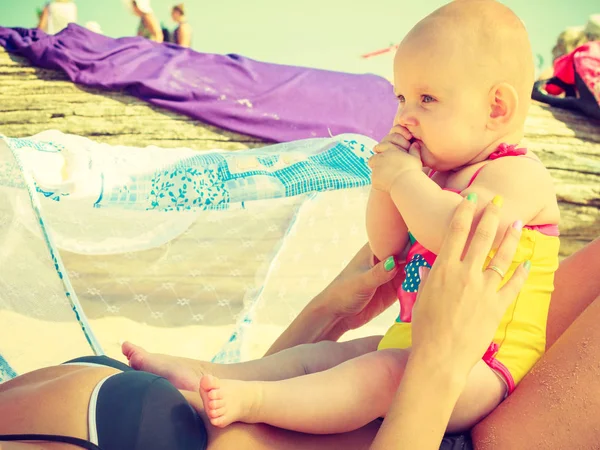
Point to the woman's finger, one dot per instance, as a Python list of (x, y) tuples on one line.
[(458, 233), (484, 235), (503, 258), (381, 273), (513, 286)]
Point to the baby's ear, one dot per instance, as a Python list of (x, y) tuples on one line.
[(503, 102)]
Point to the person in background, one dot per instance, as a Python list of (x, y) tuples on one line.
[(183, 33), (94, 26), (149, 26), (56, 15), (571, 38)]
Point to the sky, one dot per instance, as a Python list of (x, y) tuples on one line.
[(326, 34)]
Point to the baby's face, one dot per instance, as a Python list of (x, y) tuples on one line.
[(443, 108)]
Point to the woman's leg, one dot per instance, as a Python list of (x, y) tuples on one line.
[(557, 404), (340, 399), (576, 285), (265, 437), (185, 373)]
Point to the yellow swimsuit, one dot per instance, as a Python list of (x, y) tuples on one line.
[(520, 340)]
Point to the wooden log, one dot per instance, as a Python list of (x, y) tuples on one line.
[(34, 100)]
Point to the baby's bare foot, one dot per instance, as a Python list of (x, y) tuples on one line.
[(228, 401), (172, 368)]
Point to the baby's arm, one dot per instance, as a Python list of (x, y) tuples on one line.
[(386, 229), (524, 185)]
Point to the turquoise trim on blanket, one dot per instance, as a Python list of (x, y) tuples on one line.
[(76, 307), (6, 372)]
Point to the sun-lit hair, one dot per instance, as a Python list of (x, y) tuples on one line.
[(573, 37), (180, 7), (568, 40)]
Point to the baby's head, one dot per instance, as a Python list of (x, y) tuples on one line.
[(463, 77)]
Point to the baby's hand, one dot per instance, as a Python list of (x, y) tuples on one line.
[(398, 136), (391, 161)]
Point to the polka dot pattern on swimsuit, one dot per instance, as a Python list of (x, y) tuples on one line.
[(412, 279)]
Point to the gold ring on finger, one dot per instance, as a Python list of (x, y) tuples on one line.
[(496, 269)]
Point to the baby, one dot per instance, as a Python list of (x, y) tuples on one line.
[(463, 78)]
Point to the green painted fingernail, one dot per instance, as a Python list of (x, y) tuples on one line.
[(472, 197), (527, 265), (389, 264)]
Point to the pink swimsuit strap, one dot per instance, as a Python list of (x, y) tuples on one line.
[(502, 151), (548, 229)]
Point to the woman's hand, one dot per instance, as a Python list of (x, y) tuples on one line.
[(460, 306), (454, 320), (363, 290)]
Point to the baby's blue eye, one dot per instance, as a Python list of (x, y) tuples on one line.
[(401, 98), (427, 99)]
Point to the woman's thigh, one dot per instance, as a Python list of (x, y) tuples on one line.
[(557, 404), (266, 437)]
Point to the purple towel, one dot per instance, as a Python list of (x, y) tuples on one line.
[(270, 101)]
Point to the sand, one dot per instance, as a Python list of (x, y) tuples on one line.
[(325, 235)]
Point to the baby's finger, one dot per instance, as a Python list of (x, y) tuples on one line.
[(376, 160), (415, 150), (485, 233), (460, 227), (399, 129), (502, 260), (394, 139)]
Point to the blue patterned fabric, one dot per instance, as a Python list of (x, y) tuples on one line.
[(208, 180)]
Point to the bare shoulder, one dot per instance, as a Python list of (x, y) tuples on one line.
[(525, 179)]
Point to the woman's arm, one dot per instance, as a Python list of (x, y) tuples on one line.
[(153, 27), (185, 35), (449, 337), (43, 23), (424, 403), (363, 290)]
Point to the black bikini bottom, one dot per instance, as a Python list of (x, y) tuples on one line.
[(133, 410)]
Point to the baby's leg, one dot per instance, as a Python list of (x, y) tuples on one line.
[(340, 399), (185, 373), (482, 394)]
